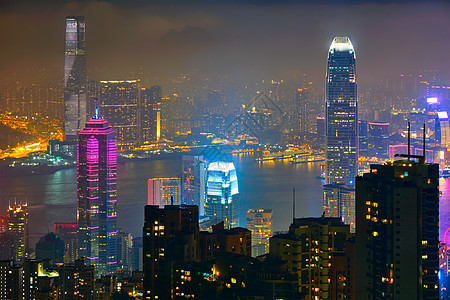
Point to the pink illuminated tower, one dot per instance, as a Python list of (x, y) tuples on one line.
[(97, 195)]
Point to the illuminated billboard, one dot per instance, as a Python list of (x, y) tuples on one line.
[(432, 100)]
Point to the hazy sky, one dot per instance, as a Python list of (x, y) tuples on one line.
[(249, 39)]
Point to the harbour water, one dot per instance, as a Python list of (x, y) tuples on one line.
[(52, 198)]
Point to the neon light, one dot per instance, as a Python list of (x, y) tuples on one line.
[(432, 100), (442, 115)]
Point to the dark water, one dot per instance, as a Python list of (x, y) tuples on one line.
[(261, 185)]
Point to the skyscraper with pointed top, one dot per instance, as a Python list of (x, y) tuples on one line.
[(97, 195), (341, 133), (75, 80)]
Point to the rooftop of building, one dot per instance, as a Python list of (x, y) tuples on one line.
[(341, 43)]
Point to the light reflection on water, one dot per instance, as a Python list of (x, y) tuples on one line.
[(261, 185)]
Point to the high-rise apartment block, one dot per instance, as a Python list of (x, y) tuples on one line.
[(170, 234), (18, 228), (339, 202), (97, 195), (397, 231), (75, 79), (259, 222), (307, 249), (193, 181), (222, 193), (119, 102), (164, 191), (68, 232)]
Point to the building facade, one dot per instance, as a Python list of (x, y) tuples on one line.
[(341, 114), (75, 80), (222, 193), (18, 228), (119, 102), (151, 113), (97, 195), (193, 181), (164, 191), (259, 222), (397, 231)]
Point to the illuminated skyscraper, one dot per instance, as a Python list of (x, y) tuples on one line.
[(341, 114), (222, 193), (341, 133), (75, 81), (442, 132), (302, 101), (119, 102), (97, 195), (18, 228)]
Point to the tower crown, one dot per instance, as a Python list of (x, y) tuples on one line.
[(342, 43)]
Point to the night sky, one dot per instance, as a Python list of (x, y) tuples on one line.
[(248, 40)]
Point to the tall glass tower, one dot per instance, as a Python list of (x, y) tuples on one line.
[(97, 195), (341, 114), (222, 193), (75, 77), (341, 133)]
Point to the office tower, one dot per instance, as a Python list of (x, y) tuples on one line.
[(11, 280), (259, 222), (222, 193), (151, 113), (119, 102), (50, 246), (378, 133), (302, 102), (97, 195), (93, 92), (68, 233), (75, 77), (341, 114), (18, 228), (137, 254), (124, 250), (363, 138), (321, 125), (397, 231), (339, 202), (193, 180), (170, 235), (442, 131), (164, 191), (307, 248), (215, 104)]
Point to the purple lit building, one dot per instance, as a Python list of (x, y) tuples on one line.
[(97, 195)]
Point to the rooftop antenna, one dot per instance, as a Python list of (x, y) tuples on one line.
[(293, 204), (409, 141), (96, 116)]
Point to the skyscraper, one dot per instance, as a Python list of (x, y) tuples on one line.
[(119, 102), (97, 195), (150, 113), (75, 80), (222, 193), (193, 181), (397, 231), (18, 228), (341, 133), (259, 222), (341, 114), (302, 101)]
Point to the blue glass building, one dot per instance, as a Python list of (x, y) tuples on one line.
[(341, 114), (222, 193)]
